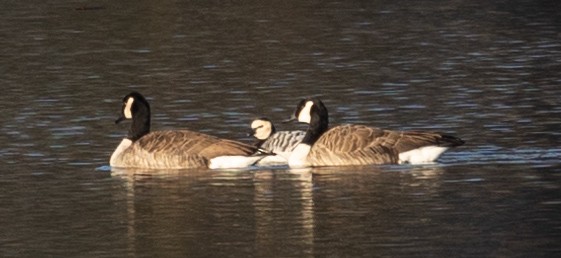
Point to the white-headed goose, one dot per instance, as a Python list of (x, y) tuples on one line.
[(173, 149), (280, 143), (361, 145)]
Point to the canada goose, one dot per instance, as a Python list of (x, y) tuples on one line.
[(361, 145), (173, 149), (280, 143)]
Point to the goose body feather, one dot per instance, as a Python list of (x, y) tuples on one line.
[(282, 143), (279, 143), (177, 149), (348, 144), (363, 145)]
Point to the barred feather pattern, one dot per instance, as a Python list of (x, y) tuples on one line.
[(283, 141), (363, 145), (177, 150)]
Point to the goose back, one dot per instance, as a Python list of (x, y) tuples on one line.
[(283, 141)]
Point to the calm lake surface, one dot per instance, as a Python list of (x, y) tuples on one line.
[(486, 71)]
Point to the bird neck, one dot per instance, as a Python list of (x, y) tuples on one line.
[(319, 123), (140, 125), (259, 143)]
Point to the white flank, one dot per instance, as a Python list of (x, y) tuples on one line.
[(304, 115), (125, 143), (273, 160), (233, 161), (421, 155), (128, 107), (284, 154), (299, 156)]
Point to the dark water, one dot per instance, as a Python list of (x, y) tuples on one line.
[(487, 71)]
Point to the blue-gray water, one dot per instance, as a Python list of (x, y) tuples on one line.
[(486, 71)]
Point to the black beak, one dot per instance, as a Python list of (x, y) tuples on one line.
[(251, 132), (121, 118), (290, 119)]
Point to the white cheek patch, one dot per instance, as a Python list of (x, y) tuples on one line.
[(304, 115), (255, 124), (262, 129), (262, 133), (128, 108)]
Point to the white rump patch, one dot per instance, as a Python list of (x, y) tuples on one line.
[(125, 144), (233, 161), (304, 115), (421, 155), (128, 108), (299, 156)]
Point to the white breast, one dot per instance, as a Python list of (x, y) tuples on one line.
[(116, 156), (299, 156)]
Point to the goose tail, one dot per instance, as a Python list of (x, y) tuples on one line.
[(450, 141)]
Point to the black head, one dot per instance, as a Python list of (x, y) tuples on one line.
[(311, 110), (136, 108), (133, 103)]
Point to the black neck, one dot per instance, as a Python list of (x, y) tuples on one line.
[(259, 143), (319, 123), (140, 125)]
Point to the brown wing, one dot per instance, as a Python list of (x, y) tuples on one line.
[(193, 143), (406, 141), (348, 138), (179, 149), (352, 145), (359, 145), (353, 137)]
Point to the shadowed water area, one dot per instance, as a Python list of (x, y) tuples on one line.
[(485, 71)]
